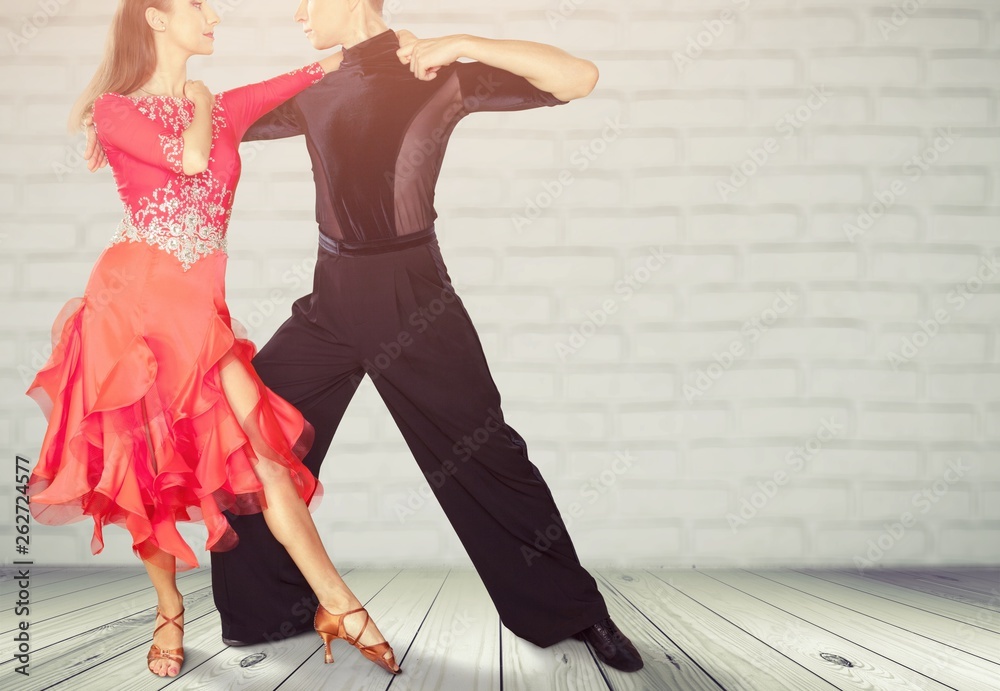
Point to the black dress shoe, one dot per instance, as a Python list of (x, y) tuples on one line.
[(234, 643), (611, 645)]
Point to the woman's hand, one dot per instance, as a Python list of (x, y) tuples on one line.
[(95, 152), (426, 56), (196, 91)]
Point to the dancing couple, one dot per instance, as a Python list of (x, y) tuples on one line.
[(161, 410)]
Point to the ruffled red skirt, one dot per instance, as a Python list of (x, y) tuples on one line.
[(140, 431)]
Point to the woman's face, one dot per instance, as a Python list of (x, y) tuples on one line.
[(189, 25)]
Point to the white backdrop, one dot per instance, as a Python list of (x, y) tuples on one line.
[(742, 301)]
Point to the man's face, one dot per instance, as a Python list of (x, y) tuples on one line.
[(322, 20)]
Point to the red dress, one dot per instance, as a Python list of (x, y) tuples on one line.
[(140, 432)]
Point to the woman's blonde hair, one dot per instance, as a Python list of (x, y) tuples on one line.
[(129, 57)]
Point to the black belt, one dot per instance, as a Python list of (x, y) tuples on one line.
[(351, 248)]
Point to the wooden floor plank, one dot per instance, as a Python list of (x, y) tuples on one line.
[(81, 581), (991, 572), (398, 610), (458, 644), (61, 662), (75, 620), (987, 585), (913, 607), (933, 584), (828, 656), (137, 589), (983, 580), (127, 671), (701, 634), (266, 666), (665, 665), (565, 666), (897, 628), (952, 667), (43, 576)]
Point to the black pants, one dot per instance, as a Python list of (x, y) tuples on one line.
[(395, 317)]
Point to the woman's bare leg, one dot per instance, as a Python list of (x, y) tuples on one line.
[(170, 602), (289, 519)]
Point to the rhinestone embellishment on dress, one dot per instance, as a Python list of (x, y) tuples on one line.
[(188, 218)]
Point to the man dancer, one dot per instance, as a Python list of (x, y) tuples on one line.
[(383, 305)]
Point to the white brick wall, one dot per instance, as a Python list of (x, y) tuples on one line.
[(709, 436)]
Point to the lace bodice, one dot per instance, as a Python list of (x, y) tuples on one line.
[(185, 215)]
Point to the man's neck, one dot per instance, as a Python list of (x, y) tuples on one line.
[(371, 26)]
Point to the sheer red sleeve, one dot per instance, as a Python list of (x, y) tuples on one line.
[(121, 125), (245, 104)]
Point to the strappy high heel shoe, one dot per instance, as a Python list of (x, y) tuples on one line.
[(158, 653), (330, 626)]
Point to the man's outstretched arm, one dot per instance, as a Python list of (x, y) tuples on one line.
[(276, 124), (546, 67)]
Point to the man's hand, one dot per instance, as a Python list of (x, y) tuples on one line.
[(405, 37), (426, 56), (95, 152)]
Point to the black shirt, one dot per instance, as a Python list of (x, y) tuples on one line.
[(377, 134)]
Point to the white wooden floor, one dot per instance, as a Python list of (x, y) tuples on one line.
[(923, 629)]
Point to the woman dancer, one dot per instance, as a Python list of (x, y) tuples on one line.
[(155, 414)]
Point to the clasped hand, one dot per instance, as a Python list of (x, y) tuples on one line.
[(426, 56)]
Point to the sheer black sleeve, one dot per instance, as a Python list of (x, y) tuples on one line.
[(486, 88), (279, 123)]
